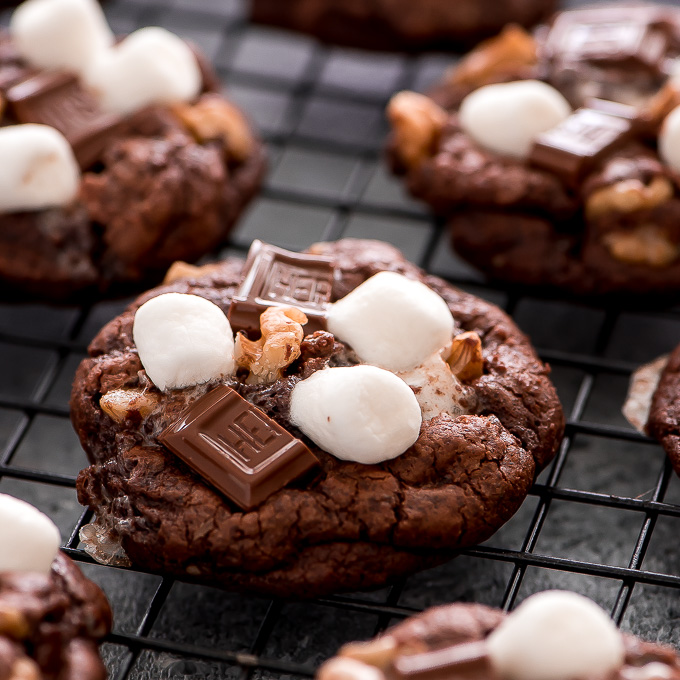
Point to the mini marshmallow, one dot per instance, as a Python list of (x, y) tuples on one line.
[(556, 635), (33, 537), (507, 117), (392, 321), (151, 66), (66, 34), (669, 140), (359, 413), (183, 340), (42, 172)]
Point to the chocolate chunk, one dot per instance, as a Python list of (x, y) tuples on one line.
[(635, 35), (57, 99), (237, 448), (577, 143), (277, 277), (469, 660)]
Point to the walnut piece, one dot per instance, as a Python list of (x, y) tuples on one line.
[(183, 270), (13, 623), (628, 196), (215, 118), (416, 122), (510, 51), (655, 110), (465, 356), (121, 404), (647, 245), (25, 669), (379, 652), (278, 347)]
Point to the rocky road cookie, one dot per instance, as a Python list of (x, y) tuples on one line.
[(366, 421), (51, 616), (400, 24), (124, 156), (554, 635), (555, 157)]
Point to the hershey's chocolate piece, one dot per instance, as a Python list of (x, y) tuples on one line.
[(468, 659), (612, 108), (57, 99), (624, 35), (237, 448), (577, 143), (277, 277)]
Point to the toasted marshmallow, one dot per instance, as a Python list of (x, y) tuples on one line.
[(40, 170), (556, 635), (29, 538), (183, 340), (669, 140), (151, 66), (508, 117), (392, 321), (359, 413), (60, 34)]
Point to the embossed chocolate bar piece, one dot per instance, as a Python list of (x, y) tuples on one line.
[(635, 35), (576, 144), (274, 276), (237, 448), (57, 99), (468, 659)]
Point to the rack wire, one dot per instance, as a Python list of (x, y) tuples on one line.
[(601, 520)]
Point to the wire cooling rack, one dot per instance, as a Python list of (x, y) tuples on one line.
[(603, 520)]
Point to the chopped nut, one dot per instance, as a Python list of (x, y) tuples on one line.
[(13, 623), (628, 196), (660, 105), (510, 51), (278, 347), (342, 668), (378, 653), (215, 118), (121, 404), (25, 669), (465, 357), (183, 270), (643, 384), (647, 245), (416, 121)]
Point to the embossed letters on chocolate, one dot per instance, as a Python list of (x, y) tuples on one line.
[(237, 448)]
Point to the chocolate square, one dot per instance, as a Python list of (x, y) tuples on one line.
[(577, 143), (57, 99), (237, 448), (277, 277)]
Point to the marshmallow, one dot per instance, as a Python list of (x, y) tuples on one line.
[(507, 117), (66, 34), (359, 413), (392, 321), (669, 140), (183, 340), (556, 635), (151, 66), (29, 538), (40, 170)]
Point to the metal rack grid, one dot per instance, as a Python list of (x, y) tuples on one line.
[(602, 520)]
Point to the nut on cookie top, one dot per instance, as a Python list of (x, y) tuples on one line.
[(553, 635), (390, 358)]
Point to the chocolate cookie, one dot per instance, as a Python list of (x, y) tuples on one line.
[(251, 502), (158, 164), (553, 156), (554, 634), (51, 624), (399, 24)]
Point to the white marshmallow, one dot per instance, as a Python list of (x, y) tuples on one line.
[(183, 340), (359, 413), (669, 140), (556, 635), (66, 34), (507, 117), (39, 168), (392, 321), (29, 538), (151, 66)]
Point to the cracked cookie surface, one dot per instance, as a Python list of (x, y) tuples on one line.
[(351, 526)]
